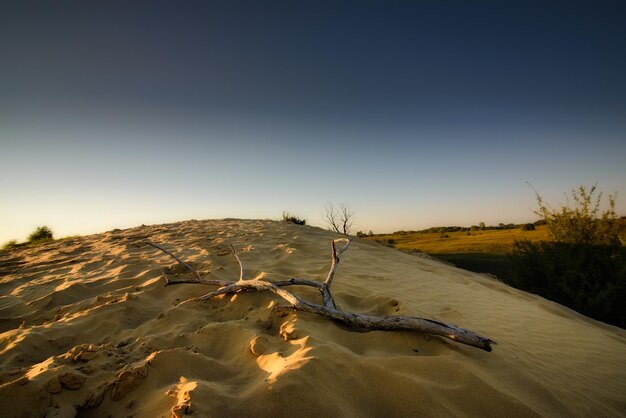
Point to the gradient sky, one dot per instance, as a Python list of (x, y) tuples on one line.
[(414, 113)]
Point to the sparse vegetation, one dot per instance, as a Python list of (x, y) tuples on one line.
[(10, 244), (583, 266), (293, 219), (42, 233), (583, 224), (590, 278), (491, 240)]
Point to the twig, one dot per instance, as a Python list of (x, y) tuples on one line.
[(181, 262), (241, 270)]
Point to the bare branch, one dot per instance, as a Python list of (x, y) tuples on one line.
[(339, 219), (329, 310), (298, 282), (181, 262), (346, 218), (241, 270), (213, 282), (335, 256), (330, 217), (385, 322), (345, 247)]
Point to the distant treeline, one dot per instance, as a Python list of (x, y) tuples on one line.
[(480, 227)]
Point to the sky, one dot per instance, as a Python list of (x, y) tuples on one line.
[(415, 114)]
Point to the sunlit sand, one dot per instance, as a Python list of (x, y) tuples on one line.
[(89, 329)]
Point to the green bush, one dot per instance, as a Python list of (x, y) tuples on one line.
[(590, 279), (9, 244), (293, 219), (42, 233), (584, 266), (528, 227), (582, 224)]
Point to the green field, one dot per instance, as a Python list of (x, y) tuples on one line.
[(491, 241), (483, 251)]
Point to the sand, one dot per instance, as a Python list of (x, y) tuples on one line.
[(88, 329)]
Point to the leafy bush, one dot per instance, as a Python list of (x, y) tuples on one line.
[(582, 224), (9, 244), (293, 219), (584, 267), (528, 227), (40, 234)]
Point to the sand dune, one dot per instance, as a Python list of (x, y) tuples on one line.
[(88, 329)]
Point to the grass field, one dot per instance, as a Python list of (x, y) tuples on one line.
[(483, 251), (494, 241)]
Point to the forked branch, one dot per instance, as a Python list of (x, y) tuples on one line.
[(329, 309)]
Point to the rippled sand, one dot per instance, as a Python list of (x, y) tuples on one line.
[(88, 329)]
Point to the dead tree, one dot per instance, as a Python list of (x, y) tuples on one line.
[(328, 308), (339, 219)]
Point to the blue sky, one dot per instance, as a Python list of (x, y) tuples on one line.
[(413, 114)]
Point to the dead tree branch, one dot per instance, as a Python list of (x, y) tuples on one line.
[(329, 309), (339, 219), (181, 262)]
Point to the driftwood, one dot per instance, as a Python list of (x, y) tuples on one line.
[(329, 308)]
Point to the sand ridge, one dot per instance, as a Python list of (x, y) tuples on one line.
[(88, 329)]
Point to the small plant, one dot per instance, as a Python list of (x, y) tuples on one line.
[(528, 227), (42, 233), (9, 244), (293, 219)]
